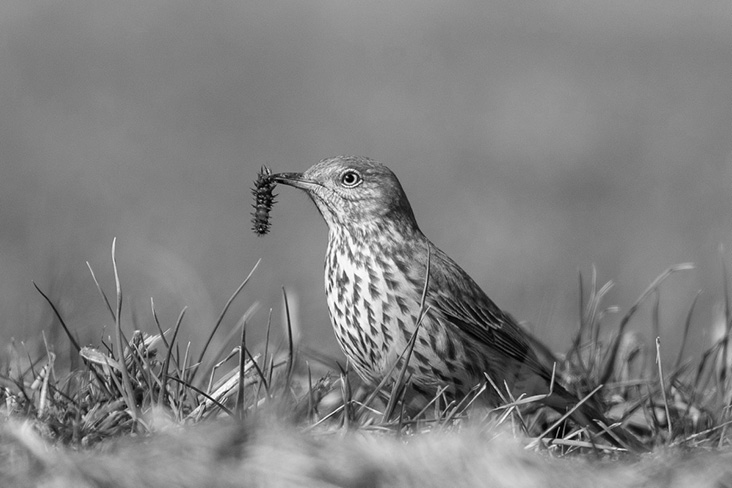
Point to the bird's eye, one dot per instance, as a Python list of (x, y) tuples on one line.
[(351, 178)]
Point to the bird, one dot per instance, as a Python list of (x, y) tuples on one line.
[(385, 281)]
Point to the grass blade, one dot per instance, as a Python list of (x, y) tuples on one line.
[(221, 317)]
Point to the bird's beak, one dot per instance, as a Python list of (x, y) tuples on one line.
[(294, 179)]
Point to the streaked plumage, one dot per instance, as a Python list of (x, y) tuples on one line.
[(375, 267), (375, 270)]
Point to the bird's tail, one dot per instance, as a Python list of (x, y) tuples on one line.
[(588, 413)]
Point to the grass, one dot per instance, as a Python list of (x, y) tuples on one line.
[(145, 394)]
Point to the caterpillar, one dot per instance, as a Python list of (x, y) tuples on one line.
[(263, 201)]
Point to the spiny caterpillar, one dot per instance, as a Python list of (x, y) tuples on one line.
[(263, 200)]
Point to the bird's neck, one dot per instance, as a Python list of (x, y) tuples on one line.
[(384, 235)]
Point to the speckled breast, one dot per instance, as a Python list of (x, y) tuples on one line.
[(372, 320)]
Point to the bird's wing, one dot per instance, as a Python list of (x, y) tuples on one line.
[(463, 303)]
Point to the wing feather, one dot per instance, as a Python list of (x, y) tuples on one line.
[(464, 304)]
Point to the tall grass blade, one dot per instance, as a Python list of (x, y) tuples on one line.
[(127, 392), (59, 317), (221, 317), (610, 358)]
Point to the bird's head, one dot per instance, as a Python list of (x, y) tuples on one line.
[(353, 192)]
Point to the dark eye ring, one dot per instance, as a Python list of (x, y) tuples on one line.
[(351, 178)]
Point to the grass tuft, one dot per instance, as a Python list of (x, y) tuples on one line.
[(148, 383)]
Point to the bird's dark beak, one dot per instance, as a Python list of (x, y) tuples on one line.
[(294, 179)]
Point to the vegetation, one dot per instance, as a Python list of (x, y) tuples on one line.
[(142, 387)]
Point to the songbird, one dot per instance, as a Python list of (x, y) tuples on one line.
[(377, 265)]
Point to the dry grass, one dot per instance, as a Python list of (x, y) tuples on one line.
[(142, 411)]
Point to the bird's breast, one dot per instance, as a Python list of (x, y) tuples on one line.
[(373, 306)]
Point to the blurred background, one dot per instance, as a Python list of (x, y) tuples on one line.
[(534, 140)]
